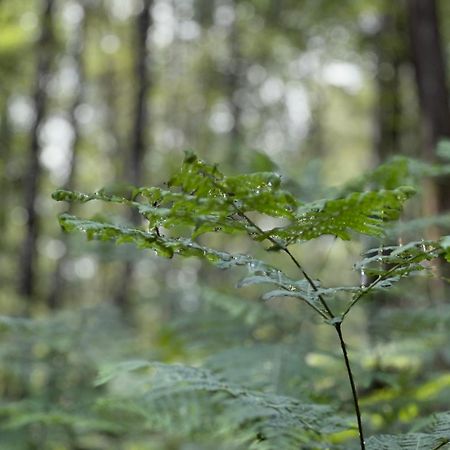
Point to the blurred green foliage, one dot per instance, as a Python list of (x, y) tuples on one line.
[(257, 86)]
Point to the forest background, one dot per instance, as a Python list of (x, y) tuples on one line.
[(111, 93)]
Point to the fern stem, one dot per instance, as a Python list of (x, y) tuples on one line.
[(294, 260), (337, 326), (307, 277)]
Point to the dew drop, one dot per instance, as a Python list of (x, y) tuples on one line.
[(422, 243), (363, 278), (380, 254)]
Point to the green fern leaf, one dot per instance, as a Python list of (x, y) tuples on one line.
[(251, 192), (365, 213), (402, 260), (437, 438), (406, 442), (195, 401), (163, 246)]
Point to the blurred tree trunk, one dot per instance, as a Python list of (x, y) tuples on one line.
[(76, 51), (108, 84), (233, 83), (317, 127), (44, 52), (5, 152), (391, 51), (139, 134), (204, 12), (429, 65)]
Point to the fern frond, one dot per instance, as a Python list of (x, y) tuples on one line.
[(412, 441), (162, 245), (168, 397), (401, 260), (361, 212), (437, 438)]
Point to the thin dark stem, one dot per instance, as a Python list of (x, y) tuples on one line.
[(308, 279), (294, 260), (366, 291), (337, 326)]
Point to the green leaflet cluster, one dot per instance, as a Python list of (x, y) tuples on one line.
[(202, 198), (401, 259), (363, 212)]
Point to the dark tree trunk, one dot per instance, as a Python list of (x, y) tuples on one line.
[(429, 64), (77, 46), (44, 51), (142, 89), (5, 152), (391, 51), (204, 12), (139, 134)]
